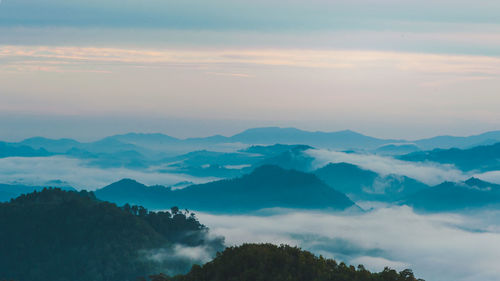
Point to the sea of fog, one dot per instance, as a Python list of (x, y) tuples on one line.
[(80, 174), (438, 247), (39, 171)]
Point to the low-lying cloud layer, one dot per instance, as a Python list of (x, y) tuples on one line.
[(437, 247), (178, 259), (74, 172), (428, 173), (493, 176)]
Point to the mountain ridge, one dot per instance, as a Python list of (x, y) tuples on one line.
[(361, 184), (452, 196), (267, 186), (481, 158), (343, 139)]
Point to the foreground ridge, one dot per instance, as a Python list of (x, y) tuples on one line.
[(56, 235), (252, 262)]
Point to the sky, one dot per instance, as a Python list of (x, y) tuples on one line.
[(395, 69)]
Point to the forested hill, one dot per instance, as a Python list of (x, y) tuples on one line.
[(55, 235), (255, 262), (479, 158), (454, 196), (266, 187)]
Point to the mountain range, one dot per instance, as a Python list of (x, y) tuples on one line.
[(479, 158), (343, 140), (266, 187), (336, 186), (331, 187), (360, 184), (450, 196), (11, 150)]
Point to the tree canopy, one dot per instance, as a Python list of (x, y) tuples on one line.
[(263, 262), (60, 235)]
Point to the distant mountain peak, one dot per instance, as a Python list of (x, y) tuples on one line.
[(345, 139), (347, 132), (264, 169), (125, 184), (344, 169), (340, 164), (268, 186), (128, 180), (475, 182), (276, 129)]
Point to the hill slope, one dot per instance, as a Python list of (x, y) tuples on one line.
[(360, 184), (11, 191), (483, 158), (266, 187), (11, 150), (52, 145), (340, 140), (59, 235), (449, 196), (251, 262), (293, 159), (446, 142), (396, 149)]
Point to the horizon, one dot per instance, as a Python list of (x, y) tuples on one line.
[(236, 132)]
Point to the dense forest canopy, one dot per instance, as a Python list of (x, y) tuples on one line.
[(64, 235), (264, 262)]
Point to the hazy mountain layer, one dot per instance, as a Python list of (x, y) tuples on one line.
[(266, 187), (480, 158), (396, 149), (343, 140), (360, 184), (18, 150), (459, 142), (448, 196)]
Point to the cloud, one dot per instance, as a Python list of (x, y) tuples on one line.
[(241, 75), (177, 258), (493, 176), (428, 173), (318, 88), (380, 185), (378, 262), (200, 254), (41, 170), (437, 247), (69, 56)]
